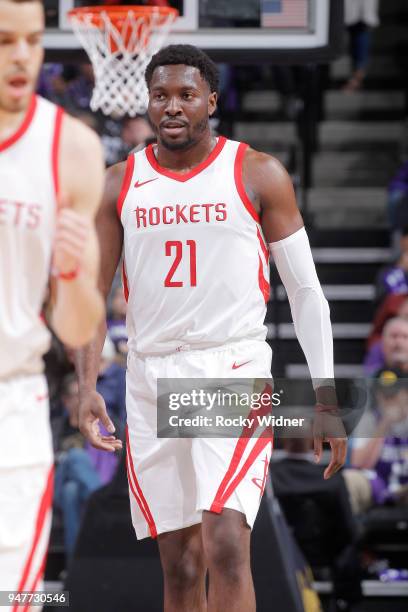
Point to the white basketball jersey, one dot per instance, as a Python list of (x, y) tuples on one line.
[(196, 267), (28, 187)]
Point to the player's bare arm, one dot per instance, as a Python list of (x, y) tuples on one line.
[(110, 237), (78, 306), (270, 189)]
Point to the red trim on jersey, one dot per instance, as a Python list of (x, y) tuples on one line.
[(140, 498), (243, 441), (263, 283), (125, 281), (44, 507), (23, 127), (185, 177), (264, 439), (130, 165), (56, 149), (239, 183), (263, 245)]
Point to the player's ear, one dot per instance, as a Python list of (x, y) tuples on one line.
[(212, 103)]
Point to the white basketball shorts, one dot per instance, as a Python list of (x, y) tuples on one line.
[(26, 484), (172, 480)]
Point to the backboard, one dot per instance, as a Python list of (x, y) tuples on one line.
[(239, 31)]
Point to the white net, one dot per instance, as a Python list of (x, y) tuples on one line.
[(119, 52)]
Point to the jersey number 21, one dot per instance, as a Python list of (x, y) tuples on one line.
[(177, 247)]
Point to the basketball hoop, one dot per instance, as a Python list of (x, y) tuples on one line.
[(120, 42)]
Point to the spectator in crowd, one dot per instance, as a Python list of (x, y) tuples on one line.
[(392, 307), (64, 417), (393, 279), (360, 17), (320, 515), (392, 352), (81, 469), (111, 136), (117, 322), (395, 304), (111, 384), (379, 449), (398, 199), (81, 88), (135, 131), (75, 476)]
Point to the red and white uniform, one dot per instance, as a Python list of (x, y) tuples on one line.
[(195, 261), (28, 205), (196, 278)]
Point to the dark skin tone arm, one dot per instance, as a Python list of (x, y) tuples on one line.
[(92, 408), (270, 189)]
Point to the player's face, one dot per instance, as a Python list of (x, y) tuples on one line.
[(180, 103), (21, 53)]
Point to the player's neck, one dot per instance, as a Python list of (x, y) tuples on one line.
[(10, 123), (183, 161)]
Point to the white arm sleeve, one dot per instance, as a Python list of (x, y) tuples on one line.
[(309, 308)]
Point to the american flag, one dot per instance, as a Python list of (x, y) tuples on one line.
[(284, 13)]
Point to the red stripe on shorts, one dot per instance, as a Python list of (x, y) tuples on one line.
[(45, 505), (263, 440), (139, 497), (238, 453), (37, 579)]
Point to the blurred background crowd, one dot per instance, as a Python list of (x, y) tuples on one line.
[(354, 525)]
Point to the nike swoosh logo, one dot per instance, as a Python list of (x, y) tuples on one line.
[(139, 184), (235, 366)]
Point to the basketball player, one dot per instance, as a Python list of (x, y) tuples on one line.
[(51, 182), (195, 214)]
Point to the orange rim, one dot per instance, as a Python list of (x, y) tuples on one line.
[(118, 13)]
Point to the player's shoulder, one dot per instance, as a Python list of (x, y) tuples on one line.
[(263, 170), (79, 139), (254, 159)]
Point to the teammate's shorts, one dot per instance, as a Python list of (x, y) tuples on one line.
[(26, 482), (172, 480)]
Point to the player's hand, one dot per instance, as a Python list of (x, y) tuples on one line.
[(92, 412), (71, 238), (328, 427)]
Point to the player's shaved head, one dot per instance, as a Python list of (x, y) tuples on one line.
[(22, 25)]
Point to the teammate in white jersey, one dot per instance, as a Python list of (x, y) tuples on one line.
[(195, 215), (51, 182)]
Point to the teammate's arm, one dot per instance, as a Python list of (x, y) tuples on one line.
[(270, 188), (109, 230), (78, 306)]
